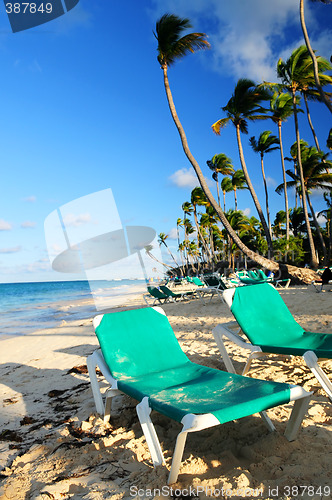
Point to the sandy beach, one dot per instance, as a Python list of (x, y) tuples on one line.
[(54, 445)]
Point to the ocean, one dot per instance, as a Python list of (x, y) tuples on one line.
[(27, 307)]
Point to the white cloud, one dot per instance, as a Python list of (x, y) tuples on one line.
[(247, 37), (185, 178), (4, 225), (30, 199), (271, 182), (246, 212), (72, 220), (11, 250), (28, 224), (173, 234)]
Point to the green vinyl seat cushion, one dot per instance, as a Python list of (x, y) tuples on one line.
[(265, 319), (144, 356)]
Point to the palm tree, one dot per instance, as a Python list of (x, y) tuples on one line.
[(279, 221), (290, 72), (281, 106), (179, 223), (265, 144), (297, 221), (327, 213), (238, 182), (220, 164), (198, 198), (171, 46), (162, 237), (226, 186), (313, 56), (306, 81), (245, 105), (329, 140), (315, 177)]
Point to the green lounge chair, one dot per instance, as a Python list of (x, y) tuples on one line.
[(269, 327), (157, 295), (141, 357), (176, 295)]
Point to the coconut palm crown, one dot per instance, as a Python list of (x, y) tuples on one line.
[(173, 46)]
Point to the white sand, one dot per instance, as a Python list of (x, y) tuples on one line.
[(53, 445)]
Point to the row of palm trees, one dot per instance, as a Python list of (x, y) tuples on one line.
[(201, 240), (248, 103)]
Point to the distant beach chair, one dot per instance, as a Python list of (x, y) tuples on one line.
[(176, 295), (269, 328), (156, 294), (196, 281), (141, 357), (257, 277)]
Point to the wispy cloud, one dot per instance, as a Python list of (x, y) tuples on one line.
[(4, 225), (30, 199), (28, 224), (184, 178), (11, 249), (72, 220), (173, 234), (271, 182)]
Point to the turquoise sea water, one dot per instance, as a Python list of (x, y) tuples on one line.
[(26, 307)]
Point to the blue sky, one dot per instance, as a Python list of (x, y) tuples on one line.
[(83, 109)]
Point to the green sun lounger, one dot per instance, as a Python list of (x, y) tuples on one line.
[(176, 295), (157, 295), (269, 327), (141, 357)]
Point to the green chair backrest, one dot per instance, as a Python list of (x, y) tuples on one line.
[(167, 291), (262, 275), (156, 293), (263, 316), (138, 342), (253, 275), (197, 281), (211, 280)]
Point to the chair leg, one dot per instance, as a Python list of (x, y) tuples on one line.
[(299, 410), (267, 421), (253, 355), (92, 365), (312, 362), (143, 412), (177, 457), (224, 354), (110, 393)]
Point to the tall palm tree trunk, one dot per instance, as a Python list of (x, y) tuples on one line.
[(319, 232), (284, 180), (312, 127), (313, 57), (218, 192), (266, 195), (253, 194), (235, 198), (314, 261), (224, 195), (269, 264), (310, 121), (200, 236)]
